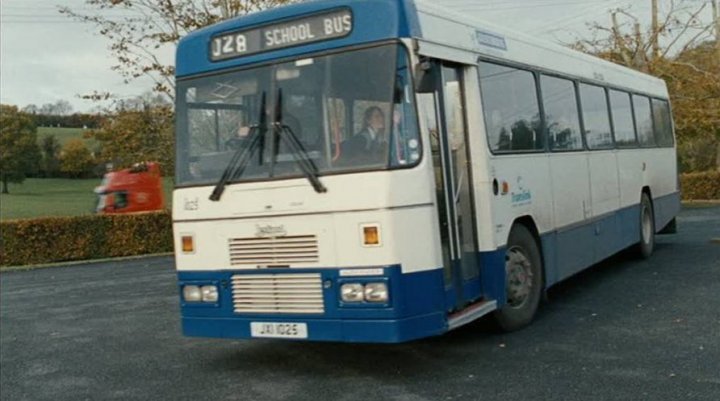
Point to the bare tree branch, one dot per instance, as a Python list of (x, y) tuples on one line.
[(145, 28), (685, 28)]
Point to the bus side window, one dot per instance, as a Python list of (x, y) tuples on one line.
[(643, 121), (561, 114), (511, 109), (621, 111), (596, 117), (663, 123)]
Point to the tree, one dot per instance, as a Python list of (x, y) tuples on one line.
[(693, 79), (31, 109), (19, 153), (677, 47), (129, 136), (63, 108), (76, 159), (144, 28), (626, 42), (142, 102), (47, 109), (50, 148), (59, 108)]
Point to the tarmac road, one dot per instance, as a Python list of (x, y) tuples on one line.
[(624, 330)]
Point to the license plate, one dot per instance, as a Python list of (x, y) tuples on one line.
[(278, 330)]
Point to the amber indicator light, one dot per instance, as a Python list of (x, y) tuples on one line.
[(372, 235), (188, 245)]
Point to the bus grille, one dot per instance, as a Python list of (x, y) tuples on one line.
[(274, 251), (278, 293)]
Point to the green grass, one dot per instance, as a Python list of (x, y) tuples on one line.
[(45, 197), (64, 135)]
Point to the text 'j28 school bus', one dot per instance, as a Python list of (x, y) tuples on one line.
[(382, 171)]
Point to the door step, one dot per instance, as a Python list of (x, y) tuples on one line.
[(470, 313)]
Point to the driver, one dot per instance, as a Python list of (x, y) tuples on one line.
[(370, 144)]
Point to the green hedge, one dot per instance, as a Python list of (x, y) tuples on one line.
[(60, 239), (700, 186)]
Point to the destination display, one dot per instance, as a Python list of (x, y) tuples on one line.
[(316, 28)]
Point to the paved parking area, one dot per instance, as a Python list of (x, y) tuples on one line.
[(624, 330)]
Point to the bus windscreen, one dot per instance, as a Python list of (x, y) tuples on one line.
[(350, 111)]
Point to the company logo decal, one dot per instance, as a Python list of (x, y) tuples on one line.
[(520, 196)]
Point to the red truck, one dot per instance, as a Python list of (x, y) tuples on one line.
[(132, 190)]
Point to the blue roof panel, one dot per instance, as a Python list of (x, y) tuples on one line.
[(373, 20)]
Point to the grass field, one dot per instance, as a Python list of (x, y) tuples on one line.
[(63, 135), (46, 197)]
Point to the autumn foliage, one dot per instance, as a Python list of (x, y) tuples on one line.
[(700, 186), (132, 136), (75, 158), (693, 80)]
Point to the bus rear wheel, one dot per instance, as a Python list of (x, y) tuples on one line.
[(645, 247), (523, 280)]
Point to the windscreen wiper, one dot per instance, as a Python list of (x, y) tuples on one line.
[(241, 158), (301, 156)]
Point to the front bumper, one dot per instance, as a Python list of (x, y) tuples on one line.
[(363, 331), (416, 308)]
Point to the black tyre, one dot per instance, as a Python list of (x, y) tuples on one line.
[(645, 247), (523, 280)]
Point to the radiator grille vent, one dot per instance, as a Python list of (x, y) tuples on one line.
[(278, 293), (274, 251)]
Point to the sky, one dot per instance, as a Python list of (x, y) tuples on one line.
[(46, 57)]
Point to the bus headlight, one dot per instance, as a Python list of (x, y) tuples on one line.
[(352, 292), (209, 293), (376, 292), (192, 293)]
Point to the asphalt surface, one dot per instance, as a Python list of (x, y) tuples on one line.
[(624, 330)]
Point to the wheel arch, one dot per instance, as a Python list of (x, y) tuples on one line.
[(646, 190)]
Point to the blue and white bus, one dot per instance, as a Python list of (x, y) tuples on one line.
[(383, 171)]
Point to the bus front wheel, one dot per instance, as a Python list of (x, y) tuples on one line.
[(523, 280), (646, 245)]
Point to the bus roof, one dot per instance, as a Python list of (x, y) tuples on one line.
[(434, 25), (373, 20), (478, 37)]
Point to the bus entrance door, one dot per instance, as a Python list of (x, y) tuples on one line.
[(444, 109)]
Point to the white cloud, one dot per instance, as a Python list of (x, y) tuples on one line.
[(45, 57)]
